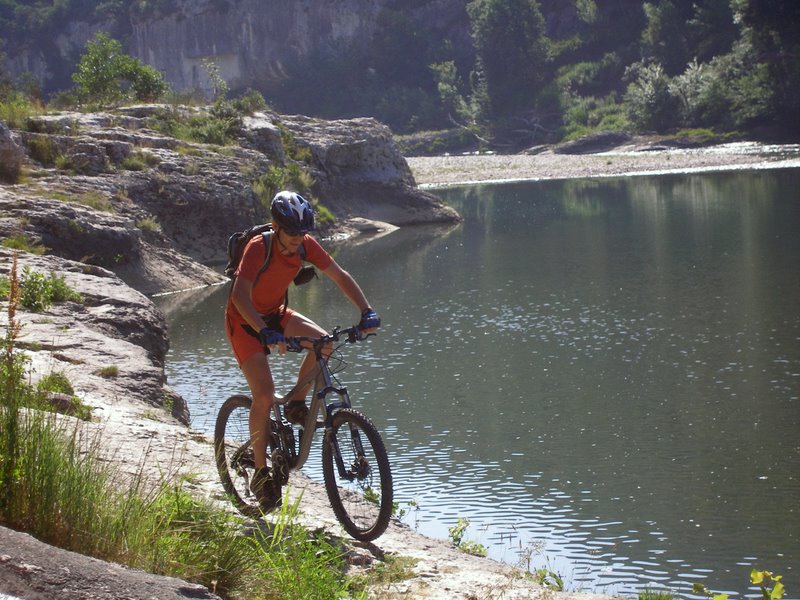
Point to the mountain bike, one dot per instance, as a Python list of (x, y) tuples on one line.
[(355, 465)]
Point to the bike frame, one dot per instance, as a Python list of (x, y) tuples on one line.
[(323, 386)]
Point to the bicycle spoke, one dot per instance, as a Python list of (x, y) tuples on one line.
[(234, 453)]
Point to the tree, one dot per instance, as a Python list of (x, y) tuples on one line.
[(107, 76), (649, 101), (773, 26), (509, 36), (711, 31), (449, 85), (663, 38)]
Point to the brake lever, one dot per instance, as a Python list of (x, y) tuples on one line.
[(357, 335), (292, 345)]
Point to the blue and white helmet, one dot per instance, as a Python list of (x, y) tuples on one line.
[(292, 212)]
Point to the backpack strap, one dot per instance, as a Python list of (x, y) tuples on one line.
[(267, 235)]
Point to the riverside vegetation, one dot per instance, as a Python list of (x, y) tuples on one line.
[(510, 73)]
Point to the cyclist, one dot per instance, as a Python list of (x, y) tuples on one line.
[(257, 319)]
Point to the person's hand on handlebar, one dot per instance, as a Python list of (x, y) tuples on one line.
[(270, 337), (370, 321)]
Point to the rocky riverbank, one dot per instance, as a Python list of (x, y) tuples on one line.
[(138, 420), (112, 190)]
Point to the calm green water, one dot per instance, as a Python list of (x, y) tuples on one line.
[(603, 376)]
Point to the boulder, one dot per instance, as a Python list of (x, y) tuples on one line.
[(359, 171), (114, 325), (264, 135)]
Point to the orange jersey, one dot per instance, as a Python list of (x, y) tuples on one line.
[(269, 291)]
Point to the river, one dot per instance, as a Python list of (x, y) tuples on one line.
[(603, 376)]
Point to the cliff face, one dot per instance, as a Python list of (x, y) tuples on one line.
[(258, 44), (254, 43), (251, 41)]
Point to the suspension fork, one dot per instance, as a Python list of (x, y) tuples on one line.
[(349, 472)]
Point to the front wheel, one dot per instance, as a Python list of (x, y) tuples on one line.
[(357, 475)]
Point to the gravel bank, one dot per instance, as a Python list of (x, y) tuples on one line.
[(630, 159)]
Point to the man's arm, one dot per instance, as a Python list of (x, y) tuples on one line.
[(348, 286), (240, 296)]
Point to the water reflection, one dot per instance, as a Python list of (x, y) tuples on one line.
[(602, 375)]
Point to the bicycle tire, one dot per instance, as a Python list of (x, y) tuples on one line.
[(362, 499), (234, 454)]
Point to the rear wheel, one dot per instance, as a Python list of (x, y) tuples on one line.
[(357, 475), (234, 453)]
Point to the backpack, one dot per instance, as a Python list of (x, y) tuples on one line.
[(237, 242)]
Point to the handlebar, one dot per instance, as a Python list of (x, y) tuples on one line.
[(350, 335)]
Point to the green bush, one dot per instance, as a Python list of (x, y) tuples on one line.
[(95, 200), (214, 130), (43, 150), (293, 151), (323, 217), (149, 224), (277, 178), (109, 372), (16, 108), (55, 382), (20, 241), (456, 534), (220, 126), (38, 292), (650, 104), (590, 78), (106, 76), (251, 101), (591, 115), (139, 161)]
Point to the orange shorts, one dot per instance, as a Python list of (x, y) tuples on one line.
[(244, 343)]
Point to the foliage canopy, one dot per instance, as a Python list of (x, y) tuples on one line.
[(527, 69)]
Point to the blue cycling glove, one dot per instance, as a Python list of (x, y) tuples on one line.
[(270, 337), (369, 320)]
